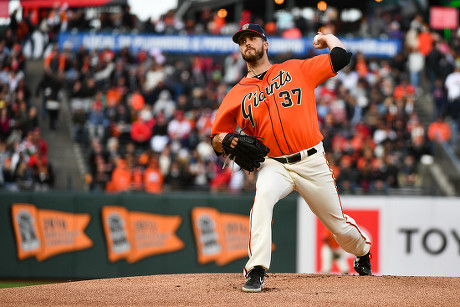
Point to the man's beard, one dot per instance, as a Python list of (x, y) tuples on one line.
[(253, 57)]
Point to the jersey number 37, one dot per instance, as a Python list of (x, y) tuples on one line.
[(289, 96)]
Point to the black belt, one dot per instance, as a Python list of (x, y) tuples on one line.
[(295, 157)]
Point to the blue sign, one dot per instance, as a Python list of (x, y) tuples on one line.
[(208, 44)]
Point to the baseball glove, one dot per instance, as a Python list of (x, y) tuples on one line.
[(248, 153)]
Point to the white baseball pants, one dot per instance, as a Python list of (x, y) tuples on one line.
[(314, 181)]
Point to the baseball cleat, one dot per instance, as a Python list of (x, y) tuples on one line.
[(362, 265), (255, 280)]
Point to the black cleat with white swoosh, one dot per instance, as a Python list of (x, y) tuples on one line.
[(362, 265), (255, 280)]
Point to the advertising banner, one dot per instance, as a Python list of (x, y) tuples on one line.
[(207, 44), (416, 236), (443, 18), (423, 237)]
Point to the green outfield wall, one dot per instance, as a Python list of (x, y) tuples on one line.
[(24, 256)]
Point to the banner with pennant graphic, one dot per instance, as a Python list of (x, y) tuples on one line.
[(136, 235), (45, 233), (153, 234), (220, 237)]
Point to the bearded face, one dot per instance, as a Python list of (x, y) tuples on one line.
[(252, 53)]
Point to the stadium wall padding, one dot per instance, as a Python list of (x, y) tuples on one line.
[(93, 262)]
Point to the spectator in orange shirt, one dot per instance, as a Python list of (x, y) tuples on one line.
[(361, 65), (113, 97), (55, 61), (425, 41), (153, 178), (439, 131), (121, 178), (403, 90)]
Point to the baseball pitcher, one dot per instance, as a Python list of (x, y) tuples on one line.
[(275, 107)]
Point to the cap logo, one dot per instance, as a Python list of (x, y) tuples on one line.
[(245, 26)]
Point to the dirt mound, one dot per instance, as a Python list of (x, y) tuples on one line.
[(225, 290)]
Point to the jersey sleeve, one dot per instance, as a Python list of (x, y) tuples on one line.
[(225, 121), (317, 69)]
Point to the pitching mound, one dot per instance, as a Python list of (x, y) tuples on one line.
[(225, 290)]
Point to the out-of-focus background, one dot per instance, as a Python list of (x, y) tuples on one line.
[(105, 116)]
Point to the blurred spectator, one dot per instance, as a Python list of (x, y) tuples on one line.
[(221, 181), (128, 20), (392, 171), (5, 127), (39, 143), (99, 167), (160, 136), (153, 178), (198, 171), (403, 90), (179, 128), (43, 175), (439, 99), (97, 120), (348, 178), (452, 84), (141, 129), (120, 123), (121, 178), (164, 105), (233, 67), (433, 58), (439, 131), (175, 178), (136, 164), (79, 120), (54, 62), (165, 160), (154, 76), (22, 117), (425, 41), (236, 181), (23, 175), (33, 121), (416, 65), (49, 87), (408, 175), (113, 149)]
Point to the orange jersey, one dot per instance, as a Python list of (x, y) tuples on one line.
[(153, 180), (281, 108)]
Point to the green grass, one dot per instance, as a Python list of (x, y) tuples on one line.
[(21, 283)]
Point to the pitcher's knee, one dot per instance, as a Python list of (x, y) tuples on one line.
[(338, 227), (267, 195)]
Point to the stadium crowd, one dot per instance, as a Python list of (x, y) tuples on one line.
[(146, 116)]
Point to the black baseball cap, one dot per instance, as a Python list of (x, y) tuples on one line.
[(249, 28)]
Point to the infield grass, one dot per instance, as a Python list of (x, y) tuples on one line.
[(21, 283)]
